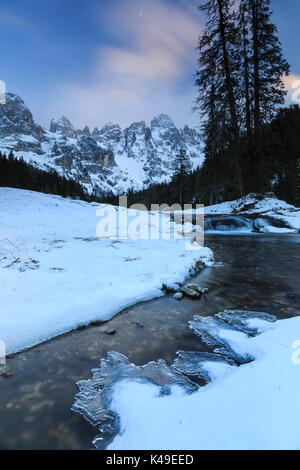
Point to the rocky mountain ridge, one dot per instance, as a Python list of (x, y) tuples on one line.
[(103, 161)]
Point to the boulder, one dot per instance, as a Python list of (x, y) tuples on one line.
[(193, 294), (196, 288)]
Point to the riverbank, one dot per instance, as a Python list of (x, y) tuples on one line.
[(66, 263), (259, 272)]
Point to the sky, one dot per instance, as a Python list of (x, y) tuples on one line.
[(99, 61)]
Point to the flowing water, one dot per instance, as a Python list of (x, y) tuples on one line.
[(259, 272)]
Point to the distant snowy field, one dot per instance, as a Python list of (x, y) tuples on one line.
[(55, 274)]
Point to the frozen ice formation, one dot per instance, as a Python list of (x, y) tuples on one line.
[(224, 328), (94, 397), (195, 363), (246, 321), (224, 332)]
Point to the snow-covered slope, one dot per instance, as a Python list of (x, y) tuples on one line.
[(56, 274), (267, 206), (106, 160)]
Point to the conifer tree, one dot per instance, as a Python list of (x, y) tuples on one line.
[(266, 67), (267, 63), (240, 90), (182, 167), (218, 67)]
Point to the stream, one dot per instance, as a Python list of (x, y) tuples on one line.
[(260, 272)]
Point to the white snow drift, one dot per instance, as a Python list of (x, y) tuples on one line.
[(55, 274), (254, 406)]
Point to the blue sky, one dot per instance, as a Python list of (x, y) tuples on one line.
[(97, 61)]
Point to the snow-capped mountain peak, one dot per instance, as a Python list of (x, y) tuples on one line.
[(62, 126), (106, 160)]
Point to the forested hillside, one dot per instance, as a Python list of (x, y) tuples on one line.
[(17, 173)]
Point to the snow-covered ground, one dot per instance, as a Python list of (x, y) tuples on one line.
[(253, 406), (56, 274), (267, 205)]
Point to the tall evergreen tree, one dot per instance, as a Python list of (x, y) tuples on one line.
[(245, 64), (218, 61), (266, 67), (182, 167), (240, 90), (266, 61)]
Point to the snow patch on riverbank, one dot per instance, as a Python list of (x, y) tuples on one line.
[(254, 406), (56, 275), (268, 206)]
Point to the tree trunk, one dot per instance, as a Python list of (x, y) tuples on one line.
[(246, 79), (249, 152), (231, 100), (256, 69), (181, 185)]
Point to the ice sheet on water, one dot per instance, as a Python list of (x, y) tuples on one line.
[(226, 331), (195, 363), (249, 322), (212, 331), (95, 395)]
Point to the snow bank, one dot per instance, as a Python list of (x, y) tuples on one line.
[(55, 274), (267, 205), (251, 406)]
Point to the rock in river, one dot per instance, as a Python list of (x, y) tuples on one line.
[(193, 294), (178, 296), (196, 288)]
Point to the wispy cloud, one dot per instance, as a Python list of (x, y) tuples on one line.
[(292, 85), (143, 76), (291, 81), (162, 38), (9, 19)]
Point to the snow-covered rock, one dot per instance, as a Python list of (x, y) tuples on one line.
[(17, 127), (62, 126), (106, 160), (267, 206)]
